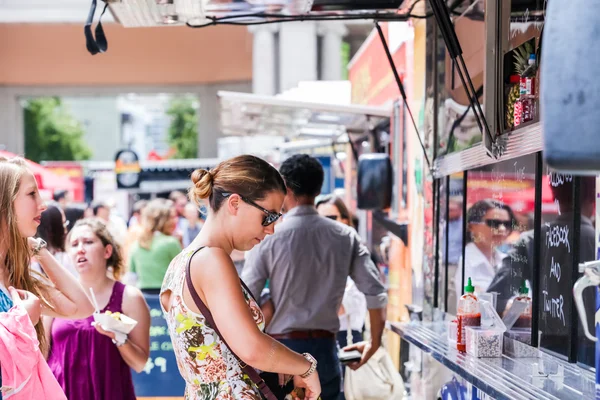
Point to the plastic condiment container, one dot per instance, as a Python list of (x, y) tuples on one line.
[(486, 341), (452, 332), (468, 315)]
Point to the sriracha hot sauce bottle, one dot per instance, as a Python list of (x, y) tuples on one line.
[(468, 315), (524, 320)]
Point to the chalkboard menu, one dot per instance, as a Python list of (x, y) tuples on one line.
[(160, 377), (556, 265)]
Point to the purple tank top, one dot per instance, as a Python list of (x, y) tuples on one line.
[(87, 364)]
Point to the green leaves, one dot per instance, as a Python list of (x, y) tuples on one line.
[(52, 133), (183, 131)]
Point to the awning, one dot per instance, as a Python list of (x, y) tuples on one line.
[(244, 114), (46, 179)]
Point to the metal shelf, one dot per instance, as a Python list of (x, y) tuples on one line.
[(509, 378)]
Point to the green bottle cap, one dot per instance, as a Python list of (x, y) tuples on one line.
[(523, 289), (469, 288)]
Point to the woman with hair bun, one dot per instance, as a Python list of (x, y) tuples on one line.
[(202, 290), (87, 360)]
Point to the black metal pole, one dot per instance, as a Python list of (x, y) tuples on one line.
[(464, 231), (536, 274), (573, 339), (436, 210), (447, 238), (401, 88)]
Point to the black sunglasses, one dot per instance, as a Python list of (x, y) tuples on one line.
[(497, 223), (333, 217), (270, 216)]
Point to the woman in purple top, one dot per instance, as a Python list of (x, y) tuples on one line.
[(87, 361)]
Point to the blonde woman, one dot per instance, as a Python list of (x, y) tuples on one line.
[(150, 255), (59, 292), (21, 210)]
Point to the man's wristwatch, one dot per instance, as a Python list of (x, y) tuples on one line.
[(313, 366), (41, 244)]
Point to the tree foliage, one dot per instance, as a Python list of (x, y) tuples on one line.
[(52, 133), (183, 131)]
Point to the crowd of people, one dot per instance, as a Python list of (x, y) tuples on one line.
[(261, 230)]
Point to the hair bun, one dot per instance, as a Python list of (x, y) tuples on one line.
[(203, 184)]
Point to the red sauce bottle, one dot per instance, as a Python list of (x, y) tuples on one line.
[(468, 315)]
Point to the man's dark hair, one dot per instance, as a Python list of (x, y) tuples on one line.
[(59, 195), (303, 175), (74, 213), (97, 206)]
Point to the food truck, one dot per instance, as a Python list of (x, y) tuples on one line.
[(502, 217), (472, 203)]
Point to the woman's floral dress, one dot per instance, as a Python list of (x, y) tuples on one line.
[(209, 368)]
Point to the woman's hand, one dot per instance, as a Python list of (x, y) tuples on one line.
[(32, 242), (28, 301), (310, 384), (104, 332)]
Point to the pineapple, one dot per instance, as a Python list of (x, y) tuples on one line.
[(513, 96), (521, 55), (521, 63)]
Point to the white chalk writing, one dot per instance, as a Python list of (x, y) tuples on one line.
[(516, 257), (555, 270), (554, 307), (557, 235), (557, 179), (519, 173)]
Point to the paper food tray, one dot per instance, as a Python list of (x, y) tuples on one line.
[(125, 325)]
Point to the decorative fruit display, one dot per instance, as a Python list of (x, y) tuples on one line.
[(513, 96), (521, 57)]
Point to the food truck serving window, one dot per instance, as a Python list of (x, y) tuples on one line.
[(511, 207)]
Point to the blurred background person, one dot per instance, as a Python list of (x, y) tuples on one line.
[(101, 210), (135, 227), (74, 213), (136, 213), (63, 198), (53, 229), (180, 200), (88, 361), (191, 225), (151, 254)]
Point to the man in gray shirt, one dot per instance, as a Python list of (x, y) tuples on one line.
[(307, 262)]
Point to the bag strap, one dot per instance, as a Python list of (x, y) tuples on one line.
[(248, 370)]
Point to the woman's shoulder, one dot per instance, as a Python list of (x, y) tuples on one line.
[(211, 262), (132, 297)]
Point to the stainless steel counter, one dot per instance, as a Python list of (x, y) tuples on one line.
[(511, 378)]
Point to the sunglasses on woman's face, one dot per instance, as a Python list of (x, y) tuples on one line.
[(333, 217), (497, 223), (270, 217)]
